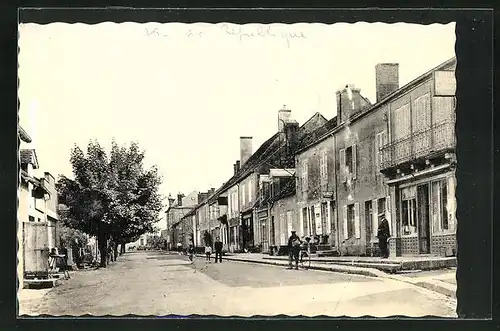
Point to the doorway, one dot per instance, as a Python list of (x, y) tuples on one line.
[(272, 234), (423, 219)]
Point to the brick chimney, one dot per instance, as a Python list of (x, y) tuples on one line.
[(235, 170), (171, 200), (245, 149), (179, 199), (284, 115), (386, 79), (291, 135), (238, 166), (349, 102)]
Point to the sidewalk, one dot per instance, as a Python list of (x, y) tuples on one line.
[(441, 281)]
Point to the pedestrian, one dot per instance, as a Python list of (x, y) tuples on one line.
[(294, 243), (218, 250), (191, 252), (179, 248), (208, 251), (383, 234)]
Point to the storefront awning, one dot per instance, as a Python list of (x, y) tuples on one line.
[(419, 174)]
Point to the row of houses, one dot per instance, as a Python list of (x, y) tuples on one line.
[(331, 179), (37, 214)]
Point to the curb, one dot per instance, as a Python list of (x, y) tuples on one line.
[(369, 272), (435, 286)]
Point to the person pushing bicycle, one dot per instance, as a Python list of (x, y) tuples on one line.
[(294, 243)]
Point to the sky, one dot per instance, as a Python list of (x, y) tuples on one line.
[(187, 92)]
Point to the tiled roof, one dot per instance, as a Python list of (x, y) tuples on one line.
[(317, 134)]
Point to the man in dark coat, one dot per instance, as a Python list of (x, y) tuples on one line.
[(293, 250), (383, 234), (218, 250)]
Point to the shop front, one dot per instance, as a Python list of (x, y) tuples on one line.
[(247, 239), (262, 223), (234, 235), (426, 215)]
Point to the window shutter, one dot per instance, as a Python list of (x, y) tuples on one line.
[(301, 223), (377, 153), (388, 211), (354, 162), (317, 211), (357, 226), (343, 176), (328, 216), (375, 217), (344, 214)]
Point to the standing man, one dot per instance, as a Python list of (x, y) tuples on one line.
[(293, 250), (218, 250), (383, 234)]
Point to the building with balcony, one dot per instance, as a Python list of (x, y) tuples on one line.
[(418, 160), (395, 157)]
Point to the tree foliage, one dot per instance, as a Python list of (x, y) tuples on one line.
[(110, 196)]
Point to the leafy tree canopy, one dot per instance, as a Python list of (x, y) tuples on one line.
[(112, 194)]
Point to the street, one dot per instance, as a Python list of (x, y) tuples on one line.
[(156, 283)]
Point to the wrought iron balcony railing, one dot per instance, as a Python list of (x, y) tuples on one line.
[(439, 137)]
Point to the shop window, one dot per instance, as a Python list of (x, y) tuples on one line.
[(350, 221), (305, 229), (409, 216), (444, 209), (441, 221)]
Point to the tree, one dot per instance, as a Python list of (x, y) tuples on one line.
[(110, 197), (69, 236), (155, 242)]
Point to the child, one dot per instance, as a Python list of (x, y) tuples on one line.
[(208, 252), (191, 253)]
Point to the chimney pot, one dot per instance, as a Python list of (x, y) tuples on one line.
[(386, 79), (238, 165)]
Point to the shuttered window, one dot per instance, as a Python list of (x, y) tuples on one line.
[(402, 122), (304, 175), (357, 224), (354, 162), (344, 215), (380, 141), (343, 176)]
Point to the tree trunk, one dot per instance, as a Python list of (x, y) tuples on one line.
[(115, 250), (103, 248), (122, 248)]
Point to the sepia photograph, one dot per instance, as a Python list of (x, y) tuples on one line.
[(178, 169)]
